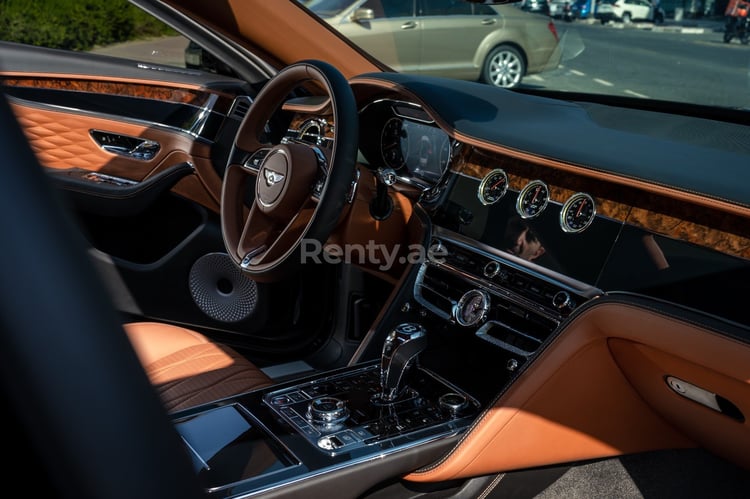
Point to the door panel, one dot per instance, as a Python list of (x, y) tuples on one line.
[(151, 219)]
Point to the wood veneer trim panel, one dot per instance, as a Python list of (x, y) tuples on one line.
[(683, 221)]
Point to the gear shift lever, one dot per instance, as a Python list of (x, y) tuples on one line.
[(401, 347)]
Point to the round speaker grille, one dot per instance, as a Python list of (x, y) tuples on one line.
[(220, 289)]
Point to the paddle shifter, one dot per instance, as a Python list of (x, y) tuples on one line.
[(400, 350)]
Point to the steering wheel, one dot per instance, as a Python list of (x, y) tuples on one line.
[(300, 188)]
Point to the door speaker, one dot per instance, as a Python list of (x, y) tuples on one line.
[(221, 290)]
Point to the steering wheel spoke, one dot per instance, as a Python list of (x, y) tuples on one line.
[(300, 189)]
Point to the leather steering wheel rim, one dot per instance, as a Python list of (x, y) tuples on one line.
[(300, 189)]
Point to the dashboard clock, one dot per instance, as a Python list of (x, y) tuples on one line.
[(472, 308), (577, 213), (493, 187), (532, 199)]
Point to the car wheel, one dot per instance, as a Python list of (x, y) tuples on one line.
[(627, 18), (504, 67)]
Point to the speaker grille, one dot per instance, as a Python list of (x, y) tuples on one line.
[(220, 289)]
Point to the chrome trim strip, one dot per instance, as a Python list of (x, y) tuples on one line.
[(195, 453), (353, 462), (485, 286), (202, 118), (531, 268)]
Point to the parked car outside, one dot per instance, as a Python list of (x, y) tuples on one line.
[(538, 6), (580, 9), (626, 11), (497, 44)]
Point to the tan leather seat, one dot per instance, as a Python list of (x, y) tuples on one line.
[(187, 368)]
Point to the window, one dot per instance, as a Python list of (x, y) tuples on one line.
[(390, 8), (446, 8)]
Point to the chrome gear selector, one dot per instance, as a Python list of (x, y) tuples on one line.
[(400, 350)]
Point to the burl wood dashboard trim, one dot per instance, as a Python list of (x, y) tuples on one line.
[(590, 394), (177, 93), (706, 226)]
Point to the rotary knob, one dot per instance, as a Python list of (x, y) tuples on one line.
[(452, 403), (563, 302), (327, 411)]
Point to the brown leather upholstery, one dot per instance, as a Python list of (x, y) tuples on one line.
[(187, 369)]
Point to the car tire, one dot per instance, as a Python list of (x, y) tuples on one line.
[(627, 18), (504, 67)]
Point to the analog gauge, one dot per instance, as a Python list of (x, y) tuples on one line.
[(532, 199), (577, 213), (393, 143), (493, 187), (471, 308)]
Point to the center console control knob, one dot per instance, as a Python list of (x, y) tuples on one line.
[(327, 411), (452, 403), (563, 302)]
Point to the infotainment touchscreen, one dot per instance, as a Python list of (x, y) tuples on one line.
[(529, 229)]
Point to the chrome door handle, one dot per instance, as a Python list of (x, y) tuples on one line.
[(125, 145), (409, 25), (488, 22)]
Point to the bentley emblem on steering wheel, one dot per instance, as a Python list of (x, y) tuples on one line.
[(272, 177)]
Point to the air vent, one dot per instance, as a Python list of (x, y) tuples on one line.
[(240, 107), (438, 290)]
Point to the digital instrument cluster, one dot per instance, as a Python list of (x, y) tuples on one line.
[(403, 137)]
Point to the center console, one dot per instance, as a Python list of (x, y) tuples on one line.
[(276, 437), (457, 332)]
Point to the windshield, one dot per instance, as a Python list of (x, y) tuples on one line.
[(685, 51)]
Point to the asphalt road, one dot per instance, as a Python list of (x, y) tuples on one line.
[(691, 66)]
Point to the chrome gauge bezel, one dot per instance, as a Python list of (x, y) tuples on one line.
[(527, 190), (570, 204), (497, 172), (466, 300)]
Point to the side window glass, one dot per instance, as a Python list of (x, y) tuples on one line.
[(445, 8), (390, 8), (117, 28)]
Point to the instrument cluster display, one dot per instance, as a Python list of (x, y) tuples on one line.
[(403, 137), (414, 148)]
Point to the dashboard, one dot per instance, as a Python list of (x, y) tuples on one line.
[(557, 224)]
